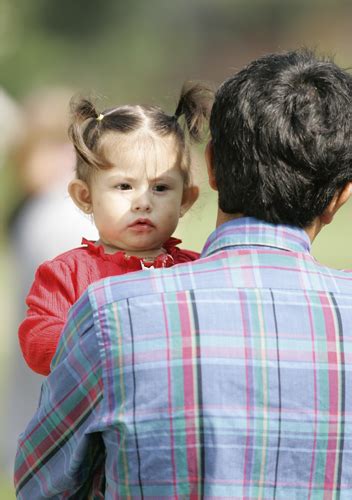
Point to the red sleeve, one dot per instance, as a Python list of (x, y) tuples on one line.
[(49, 300)]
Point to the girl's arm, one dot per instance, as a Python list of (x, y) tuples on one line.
[(49, 300)]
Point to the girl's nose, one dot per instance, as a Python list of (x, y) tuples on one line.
[(142, 203)]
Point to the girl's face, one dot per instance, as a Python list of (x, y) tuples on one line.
[(137, 203)]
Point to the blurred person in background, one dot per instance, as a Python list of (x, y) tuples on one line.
[(10, 124), (230, 376), (44, 222), (10, 128)]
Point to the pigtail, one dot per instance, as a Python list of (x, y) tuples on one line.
[(195, 104), (84, 131)]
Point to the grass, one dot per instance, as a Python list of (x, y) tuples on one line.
[(6, 489), (6, 486)]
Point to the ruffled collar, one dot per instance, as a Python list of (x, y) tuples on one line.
[(133, 263)]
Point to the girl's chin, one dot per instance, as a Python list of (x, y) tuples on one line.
[(138, 248)]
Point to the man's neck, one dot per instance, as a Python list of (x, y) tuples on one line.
[(223, 217), (314, 229)]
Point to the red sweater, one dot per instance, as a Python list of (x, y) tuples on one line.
[(60, 282)]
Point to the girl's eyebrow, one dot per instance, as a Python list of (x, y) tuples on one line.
[(163, 177), (122, 177), (127, 178)]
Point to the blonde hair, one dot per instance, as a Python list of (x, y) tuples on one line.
[(89, 126)]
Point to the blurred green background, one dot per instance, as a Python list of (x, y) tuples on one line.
[(129, 52)]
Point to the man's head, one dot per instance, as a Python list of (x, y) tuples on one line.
[(282, 138)]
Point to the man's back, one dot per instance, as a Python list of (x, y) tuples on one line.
[(229, 378)]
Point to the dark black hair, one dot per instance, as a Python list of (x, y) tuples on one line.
[(88, 126), (282, 137)]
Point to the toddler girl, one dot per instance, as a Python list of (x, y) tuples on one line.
[(133, 175)]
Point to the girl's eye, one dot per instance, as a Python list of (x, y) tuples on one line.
[(159, 188), (123, 186)]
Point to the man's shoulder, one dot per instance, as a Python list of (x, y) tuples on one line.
[(139, 283), (235, 269)]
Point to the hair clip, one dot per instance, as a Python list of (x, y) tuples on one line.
[(100, 117)]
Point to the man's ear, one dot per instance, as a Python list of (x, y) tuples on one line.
[(190, 195), (336, 203), (80, 194), (209, 158)]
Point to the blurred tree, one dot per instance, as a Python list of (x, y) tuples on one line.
[(65, 18)]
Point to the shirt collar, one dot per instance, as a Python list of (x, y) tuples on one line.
[(251, 232)]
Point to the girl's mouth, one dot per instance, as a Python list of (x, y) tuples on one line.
[(142, 224)]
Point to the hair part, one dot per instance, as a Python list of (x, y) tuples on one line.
[(282, 137), (89, 127)]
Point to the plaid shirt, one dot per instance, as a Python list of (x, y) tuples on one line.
[(228, 377)]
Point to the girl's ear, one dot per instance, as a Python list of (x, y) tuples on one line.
[(190, 195), (80, 194)]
